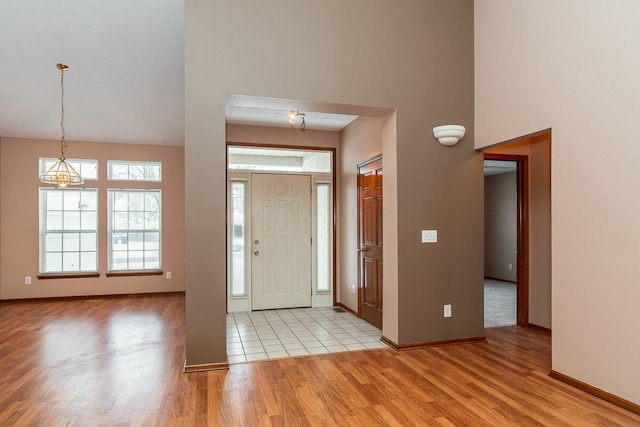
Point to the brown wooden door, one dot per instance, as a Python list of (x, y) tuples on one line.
[(370, 241)]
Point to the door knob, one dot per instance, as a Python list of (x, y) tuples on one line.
[(361, 249), (256, 252)]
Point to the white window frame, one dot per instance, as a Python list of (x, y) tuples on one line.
[(111, 231), (80, 165), (129, 164), (45, 230)]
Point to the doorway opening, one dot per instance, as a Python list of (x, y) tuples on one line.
[(280, 231), (500, 243), (532, 155), (521, 175)]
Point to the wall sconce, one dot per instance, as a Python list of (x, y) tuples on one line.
[(293, 115), (449, 134)]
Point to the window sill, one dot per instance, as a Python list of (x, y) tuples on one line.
[(135, 273), (67, 275)]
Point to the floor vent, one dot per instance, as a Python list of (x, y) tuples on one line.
[(338, 310)]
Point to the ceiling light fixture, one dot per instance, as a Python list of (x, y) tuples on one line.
[(62, 173), (293, 115)]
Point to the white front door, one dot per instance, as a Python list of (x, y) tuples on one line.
[(280, 241)]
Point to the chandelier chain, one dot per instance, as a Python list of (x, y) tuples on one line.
[(62, 143)]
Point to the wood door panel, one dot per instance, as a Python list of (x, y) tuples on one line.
[(370, 241)]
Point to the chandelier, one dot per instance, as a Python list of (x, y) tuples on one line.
[(62, 173)]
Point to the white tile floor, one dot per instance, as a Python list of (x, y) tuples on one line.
[(274, 334)]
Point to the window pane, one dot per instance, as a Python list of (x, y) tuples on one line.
[(72, 220), (151, 240), (152, 202), (52, 262), (88, 261), (119, 260), (70, 261), (54, 200), (88, 168), (88, 201), (131, 247), (53, 242), (120, 221), (152, 259), (60, 240), (238, 247), (323, 245), (54, 220), (152, 221), (71, 242), (152, 172), (71, 200), (119, 172), (88, 220), (136, 241), (136, 220), (134, 171), (120, 201), (136, 259), (88, 242), (119, 241), (136, 201)]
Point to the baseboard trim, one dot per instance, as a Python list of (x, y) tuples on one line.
[(541, 328), (500, 280), (205, 367), (345, 308), (97, 296), (595, 391), (439, 343)]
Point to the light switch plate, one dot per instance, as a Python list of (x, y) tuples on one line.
[(429, 236)]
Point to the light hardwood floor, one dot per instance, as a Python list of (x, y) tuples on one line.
[(118, 361)]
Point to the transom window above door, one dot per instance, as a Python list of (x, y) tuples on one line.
[(281, 160)]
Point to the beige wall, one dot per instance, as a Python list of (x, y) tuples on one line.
[(500, 226), (19, 218), (415, 56), (572, 66), (359, 141)]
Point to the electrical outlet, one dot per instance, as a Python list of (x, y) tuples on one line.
[(510, 266), (169, 275), (447, 310), (27, 280)]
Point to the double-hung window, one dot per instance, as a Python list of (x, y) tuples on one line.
[(68, 230), (135, 230)]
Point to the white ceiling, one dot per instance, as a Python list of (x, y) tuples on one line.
[(126, 74)]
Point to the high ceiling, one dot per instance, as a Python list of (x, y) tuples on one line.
[(126, 74)]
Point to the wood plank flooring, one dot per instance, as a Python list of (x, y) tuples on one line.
[(118, 360)]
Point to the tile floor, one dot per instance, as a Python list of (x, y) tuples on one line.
[(274, 334)]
